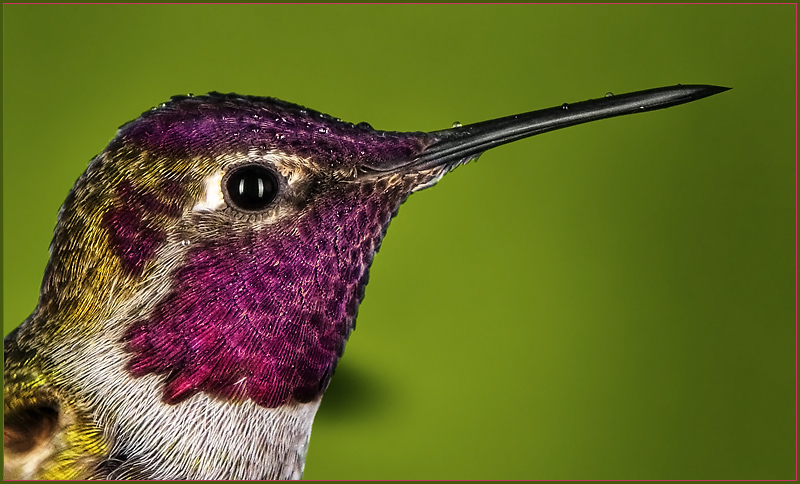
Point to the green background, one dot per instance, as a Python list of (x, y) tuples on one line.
[(611, 301)]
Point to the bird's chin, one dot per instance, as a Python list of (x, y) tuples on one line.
[(438, 172)]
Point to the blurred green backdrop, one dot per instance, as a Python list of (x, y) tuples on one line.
[(611, 301)]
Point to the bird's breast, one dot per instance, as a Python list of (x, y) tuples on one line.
[(200, 438)]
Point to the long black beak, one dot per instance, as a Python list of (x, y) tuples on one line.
[(460, 144)]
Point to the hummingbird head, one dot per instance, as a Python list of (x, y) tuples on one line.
[(232, 237), (225, 241)]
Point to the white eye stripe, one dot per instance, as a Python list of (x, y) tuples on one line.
[(213, 198)]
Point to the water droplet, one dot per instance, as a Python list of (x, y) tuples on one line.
[(609, 94), (565, 106), (456, 124), (323, 130), (191, 94), (364, 125)]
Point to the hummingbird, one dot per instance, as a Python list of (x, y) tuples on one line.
[(205, 274)]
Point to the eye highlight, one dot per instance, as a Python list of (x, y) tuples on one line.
[(251, 187)]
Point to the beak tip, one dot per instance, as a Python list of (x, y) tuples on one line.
[(700, 91)]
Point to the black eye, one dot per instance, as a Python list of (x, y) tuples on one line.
[(251, 187)]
